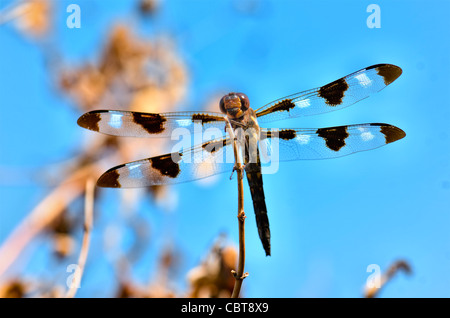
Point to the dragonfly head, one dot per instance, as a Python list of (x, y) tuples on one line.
[(234, 104)]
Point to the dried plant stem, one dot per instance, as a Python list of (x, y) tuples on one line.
[(239, 275), (398, 266), (88, 220), (46, 212), (13, 11)]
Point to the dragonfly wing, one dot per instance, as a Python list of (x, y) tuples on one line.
[(333, 96), (325, 143), (210, 158), (135, 124)]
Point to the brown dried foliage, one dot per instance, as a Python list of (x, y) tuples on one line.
[(131, 74)]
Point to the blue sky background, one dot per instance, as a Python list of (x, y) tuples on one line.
[(330, 219)]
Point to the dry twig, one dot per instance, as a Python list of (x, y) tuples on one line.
[(88, 220), (372, 291), (239, 274), (46, 212)]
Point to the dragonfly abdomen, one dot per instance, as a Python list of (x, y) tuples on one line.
[(254, 177)]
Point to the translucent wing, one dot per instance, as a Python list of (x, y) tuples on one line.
[(333, 96), (135, 124), (210, 158), (324, 143)]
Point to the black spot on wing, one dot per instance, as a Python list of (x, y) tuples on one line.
[(284, 105), (286, 134), (389, 72), (167, 165), (110, 179), (333, 92), (334, 137), (391, 133), (152, 123), (90, 121), (205, 118), (214, 145)]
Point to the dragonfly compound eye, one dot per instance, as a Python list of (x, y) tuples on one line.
[(222, 105), (245, 102)]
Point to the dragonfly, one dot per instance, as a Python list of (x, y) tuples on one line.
[(207, 158)]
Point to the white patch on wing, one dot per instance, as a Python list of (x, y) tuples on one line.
[(303, 103), (363, 80), (135, 171), (184, 122), (366, 135), (116, 121), (303, 139)]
